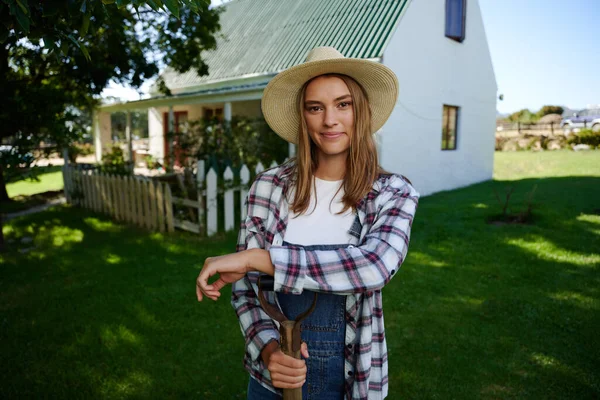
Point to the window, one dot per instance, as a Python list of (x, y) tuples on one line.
[(456, 11), (449, 127), (216, 112)]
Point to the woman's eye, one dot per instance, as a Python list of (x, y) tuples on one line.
[(344, 104), (314, 109)]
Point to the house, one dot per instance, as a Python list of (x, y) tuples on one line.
[(441, 133)]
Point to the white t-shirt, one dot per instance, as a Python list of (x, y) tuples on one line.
[(321, 225)]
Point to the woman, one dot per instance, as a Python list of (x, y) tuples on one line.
[(330, 221)]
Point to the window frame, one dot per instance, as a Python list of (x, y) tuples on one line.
[(447, 138), (460, 38)]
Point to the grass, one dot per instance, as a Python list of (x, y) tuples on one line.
[(29, 193), (98, 309), (50, 179)]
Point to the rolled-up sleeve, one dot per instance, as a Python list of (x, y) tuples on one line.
[(256, 326), (354, 269)]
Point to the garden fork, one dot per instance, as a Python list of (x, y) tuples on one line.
[(289, 331)]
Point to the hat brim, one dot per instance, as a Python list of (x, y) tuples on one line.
[(280, 98)]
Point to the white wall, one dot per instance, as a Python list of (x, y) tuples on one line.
[(434, 70), (102, 134), (156, 134)]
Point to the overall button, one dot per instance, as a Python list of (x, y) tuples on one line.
[(350, 373), (350, 346)]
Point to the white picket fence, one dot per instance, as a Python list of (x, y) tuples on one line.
[(149, 203)]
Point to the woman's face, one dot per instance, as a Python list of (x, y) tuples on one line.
[(329, 115)]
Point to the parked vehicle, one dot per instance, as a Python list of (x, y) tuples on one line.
[(587, 118)]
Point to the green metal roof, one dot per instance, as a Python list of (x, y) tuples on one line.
[(268, 36)]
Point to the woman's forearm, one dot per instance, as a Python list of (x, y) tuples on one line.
[(260, 260)]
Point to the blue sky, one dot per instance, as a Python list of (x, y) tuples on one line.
[(543, 52)]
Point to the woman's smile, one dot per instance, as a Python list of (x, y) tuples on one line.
[(332, 135)]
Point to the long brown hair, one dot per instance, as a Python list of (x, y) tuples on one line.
[(362, 164)]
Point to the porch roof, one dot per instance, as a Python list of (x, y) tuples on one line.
[(250, 91)]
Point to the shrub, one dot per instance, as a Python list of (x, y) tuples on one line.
[(151, 162), (585, 136), (114, 162), (241, 141)]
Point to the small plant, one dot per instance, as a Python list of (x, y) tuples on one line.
[(522, 217), (151, 162), (114, 162)]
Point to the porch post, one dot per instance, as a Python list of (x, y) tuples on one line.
[(227, 111), (170, 136), (291, 150), (129, 143), (102, 128)]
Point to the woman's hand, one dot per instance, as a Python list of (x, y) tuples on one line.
[(230, 267), (286, 372)]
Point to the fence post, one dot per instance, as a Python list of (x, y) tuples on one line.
[(552, 128), (161, 206), (244, 179), (169, 208), (153, 205), (211, 202), (139, 203), (229, 212), (200, 178), (518, 127), (65, 173), (259, 168)]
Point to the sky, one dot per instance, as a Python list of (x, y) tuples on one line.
[(543, 52)]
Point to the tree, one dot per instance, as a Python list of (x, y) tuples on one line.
[(523, 115), (545, 110), (57, 56)]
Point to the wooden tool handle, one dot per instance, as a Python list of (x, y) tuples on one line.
[(286, 332)]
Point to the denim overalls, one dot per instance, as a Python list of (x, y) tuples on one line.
[(324, 332)]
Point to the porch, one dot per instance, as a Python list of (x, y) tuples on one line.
[(170, 114)]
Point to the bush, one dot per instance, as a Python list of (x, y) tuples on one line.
[(241, 141), (79, 149), (114, 162), (585, 136), (151, 162)]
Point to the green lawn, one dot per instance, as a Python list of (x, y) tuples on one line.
[(478, 311), (50, 179)]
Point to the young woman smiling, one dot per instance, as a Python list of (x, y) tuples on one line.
[(330, 221)]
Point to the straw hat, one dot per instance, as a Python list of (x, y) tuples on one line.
[(282, 94)]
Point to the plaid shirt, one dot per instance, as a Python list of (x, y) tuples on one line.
[(380, 236)]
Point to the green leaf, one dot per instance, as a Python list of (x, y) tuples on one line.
[(85, 24), (24, 7), (81, 47), (22, 18), (173, 6), (108, 1), (64, 47), (49, 42), (156, 5), (83, 6), (121, 4), (85, 51)]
